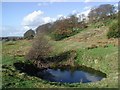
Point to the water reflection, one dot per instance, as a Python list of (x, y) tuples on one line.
[(68, 76), (64, 74)]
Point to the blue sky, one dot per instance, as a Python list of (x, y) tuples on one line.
[(18, 17)]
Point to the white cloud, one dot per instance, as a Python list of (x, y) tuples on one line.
[(91, 77), (48, 19), (60, 15), (34, 19), (116, 7), (30, 18), (74, 11), (87, 7), (86, 12), (12, 31), (26, 27)]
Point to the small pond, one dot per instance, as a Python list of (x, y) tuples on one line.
[(68, 76), (64, 75)]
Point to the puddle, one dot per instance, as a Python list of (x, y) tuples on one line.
[(63, 75)]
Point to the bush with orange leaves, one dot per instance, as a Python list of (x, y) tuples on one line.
[(65, 27)]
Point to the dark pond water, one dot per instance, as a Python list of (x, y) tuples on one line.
[(68, 76), (64, 75)]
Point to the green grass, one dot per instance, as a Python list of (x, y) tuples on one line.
[(7, 59), (96, 55), (106, 60), (102, 59), (11, 50)]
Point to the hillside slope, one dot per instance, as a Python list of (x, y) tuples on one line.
[(93, 49)]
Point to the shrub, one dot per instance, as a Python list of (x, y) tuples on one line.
[(113, 31), (40, 50), (29, 34), (59, 35), (66, 27), (44, 28)]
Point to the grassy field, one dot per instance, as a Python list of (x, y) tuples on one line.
[(103, 58)]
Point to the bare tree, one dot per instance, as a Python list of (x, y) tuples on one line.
[(40, 50)]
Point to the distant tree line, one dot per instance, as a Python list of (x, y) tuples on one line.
[(10, 38), (63, 27), (66, 27), (102, 12)]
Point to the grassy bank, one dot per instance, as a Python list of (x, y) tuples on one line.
[(102, 59), (93, 49)]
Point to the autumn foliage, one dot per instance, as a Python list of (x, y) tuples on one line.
[(65, 27)]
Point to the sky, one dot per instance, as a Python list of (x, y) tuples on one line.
[(18, 17)]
